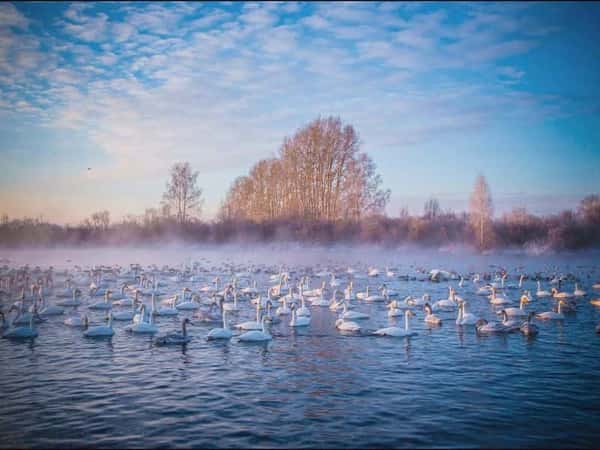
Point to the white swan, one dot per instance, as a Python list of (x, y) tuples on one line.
[(431, 318), (175, 337), (484, 290), (335, 304), (256, 335), (540, 292), (516, 312), (465, 318), (232, 307), (411, 301), (73, 301), (348, 292), (50, 310), (396, 308), (319, 301), (22, 332), (352, 315), (376, 297), (143, 327), (220, 333), (164, 310), (23, 317), (77, 320), (189, 305), (303, 311), (578, 292), (269, 317), (447, 304), (347, 325), (296, 321), (252, 325), (363, 295), (397, 331), (551, 315), (511, 324), (496, 299), (124, 315), (283, 309), (250, 290), (484, 327), (100, 330), (103, 305), (557, 294), (314, 292)]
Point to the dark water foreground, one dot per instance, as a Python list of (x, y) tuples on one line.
[(445, 387)]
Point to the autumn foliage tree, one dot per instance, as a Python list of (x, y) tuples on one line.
[(320, 175)]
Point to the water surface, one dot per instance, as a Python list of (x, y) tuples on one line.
[(445, 387)]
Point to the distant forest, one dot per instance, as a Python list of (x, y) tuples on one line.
[(320, 189)]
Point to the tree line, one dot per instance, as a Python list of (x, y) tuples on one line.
[(320, 188)]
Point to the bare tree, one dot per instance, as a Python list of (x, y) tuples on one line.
[(183, 195), (589, 208), (431, 208), (480, 212)]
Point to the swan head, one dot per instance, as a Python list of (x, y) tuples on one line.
[(480, 323), (427, 308)]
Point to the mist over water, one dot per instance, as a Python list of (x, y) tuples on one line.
[(455, 257)]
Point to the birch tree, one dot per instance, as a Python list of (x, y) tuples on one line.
[(480, 213)]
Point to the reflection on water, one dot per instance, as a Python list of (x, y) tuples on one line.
[(316, 387)]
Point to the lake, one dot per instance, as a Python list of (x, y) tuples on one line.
[(314, 387)]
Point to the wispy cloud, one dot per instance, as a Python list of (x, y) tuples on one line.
[(221, 84)]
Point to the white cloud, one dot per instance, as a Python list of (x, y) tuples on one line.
[(221, 88), (316, 21), (12, 17), (90, 28)]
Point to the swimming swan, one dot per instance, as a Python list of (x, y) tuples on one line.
[(397, 331), (296, 321), (220, 333), (256, 335)]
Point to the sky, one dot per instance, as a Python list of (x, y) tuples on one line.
[(438, 92)]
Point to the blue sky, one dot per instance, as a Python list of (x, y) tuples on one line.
[(439, 92)]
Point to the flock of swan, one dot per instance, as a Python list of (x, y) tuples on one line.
[(218, 296)]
